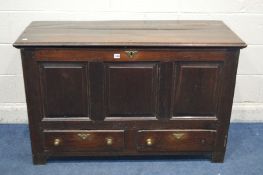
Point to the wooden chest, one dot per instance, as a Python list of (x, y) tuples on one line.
[(124, 88)]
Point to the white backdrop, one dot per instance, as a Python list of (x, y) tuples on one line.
[(245, 17)]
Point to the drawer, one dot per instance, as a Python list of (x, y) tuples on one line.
[(175, 140), (84, 140)]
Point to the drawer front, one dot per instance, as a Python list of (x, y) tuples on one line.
[(175, 140), (84, 140)]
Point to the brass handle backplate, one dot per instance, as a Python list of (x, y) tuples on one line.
[(57, 142), (131, 53), (109, 141), (83, 136), (178, 135), (149, 142)]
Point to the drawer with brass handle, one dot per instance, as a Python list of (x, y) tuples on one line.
[(175, 140), (84, 140)]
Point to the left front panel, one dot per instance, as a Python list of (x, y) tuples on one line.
[(64, 89)]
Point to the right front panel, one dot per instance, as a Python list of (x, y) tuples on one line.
[(196, 89)]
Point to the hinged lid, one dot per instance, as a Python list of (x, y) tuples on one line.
[(129, 33)]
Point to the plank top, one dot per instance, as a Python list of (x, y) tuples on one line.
[(128, 33)]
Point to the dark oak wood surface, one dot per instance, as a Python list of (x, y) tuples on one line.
[(195, 95), (149, 54), (69, 98), (131, 89), (175, 140), (129, 33), (148, 88), (83, 140)]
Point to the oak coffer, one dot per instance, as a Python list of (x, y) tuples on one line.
[(125, 88)]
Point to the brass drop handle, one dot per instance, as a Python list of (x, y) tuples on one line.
[(131, 53), (109, 141), (149, 142), (57, 142)]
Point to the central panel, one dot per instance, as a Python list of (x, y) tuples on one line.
[(131, 89)]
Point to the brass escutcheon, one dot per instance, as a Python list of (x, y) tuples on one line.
[(83, 136), (178, 135), (131, 53)]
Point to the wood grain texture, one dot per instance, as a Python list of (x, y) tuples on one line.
[(166, 86), (97, 91), (34, 105), (129, 33), (95, 140), (64, 89), (143, 54), (131, 89), (225, 104), (175, 140), (196, 89)]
